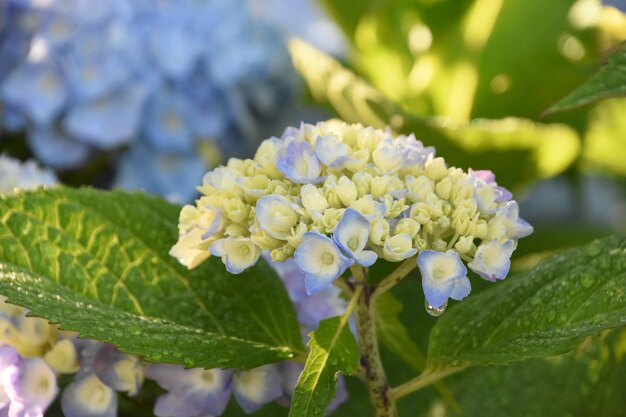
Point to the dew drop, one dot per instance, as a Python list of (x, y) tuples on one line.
[(436, 311)]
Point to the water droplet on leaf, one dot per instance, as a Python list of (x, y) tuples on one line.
[(436, 311)]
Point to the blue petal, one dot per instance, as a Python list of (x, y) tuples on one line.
[(172, 176), (57, 150), (167, 122), (367, 257), (437, 293), (299, 163), (38, 89), (107, 122), (461, 289), (314, 283)]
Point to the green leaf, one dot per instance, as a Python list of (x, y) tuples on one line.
[(333, 350), (517, 150), (393, 334), (605, 139), (97, 263), (545, 311), (586, 382), (609, 81)]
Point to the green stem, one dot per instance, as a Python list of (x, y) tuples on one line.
[(375, 377), (424, 379), (395, 277)]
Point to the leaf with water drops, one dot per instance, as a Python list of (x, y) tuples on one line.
[(517, 150), (333, 350), (589, 381), (97, 262), (609, 81), (545, 311)]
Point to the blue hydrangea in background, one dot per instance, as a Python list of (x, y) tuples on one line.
[(180, 83)]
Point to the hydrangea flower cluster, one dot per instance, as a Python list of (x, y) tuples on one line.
[(333, 195), (181, 82)]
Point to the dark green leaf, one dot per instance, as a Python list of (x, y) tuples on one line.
[(393, 334), (586, 382), (609, 81), (333, 350), (517, 150), (545, 311), (97, 263)]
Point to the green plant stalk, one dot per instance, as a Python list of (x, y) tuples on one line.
[(375, 377)]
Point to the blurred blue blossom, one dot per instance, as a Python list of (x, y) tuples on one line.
[(169, 79)]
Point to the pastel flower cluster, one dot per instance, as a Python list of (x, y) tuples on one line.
[(179, 81), (333, 195)]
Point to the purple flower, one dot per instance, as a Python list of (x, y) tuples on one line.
[(256, 387), (87, 396), (191, 392), (31, 386)]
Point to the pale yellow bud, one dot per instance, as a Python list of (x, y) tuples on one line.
[(464, 245), (436, 168), (407, 226), (444, 187), (418, 188), (313, 200), (236, 210), (379, 231), (62, 357)]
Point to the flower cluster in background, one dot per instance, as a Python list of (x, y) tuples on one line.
[(15, 174), (333, 195), (35, 354), (180, 82)]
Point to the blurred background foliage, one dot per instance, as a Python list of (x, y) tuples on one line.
[(474, 79)]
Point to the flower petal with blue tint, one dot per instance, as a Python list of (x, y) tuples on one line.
[(492, 260), (440, 271), (321, 260), (30, 384), (299, 163), (351, 235), (237, 253), (107, 122), (191, 392), (38, 88), (118, 370), (256, 387), (174, 49), (276, 215), (331, 151), (172, 176), (87, 396)]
